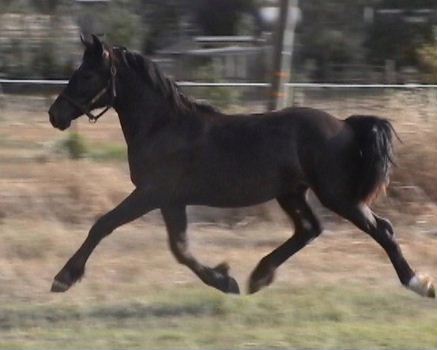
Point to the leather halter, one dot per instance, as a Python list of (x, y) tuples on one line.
[(86, 109)]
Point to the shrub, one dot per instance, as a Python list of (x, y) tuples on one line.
[(74, 145), (427, 56), (218, 96), (45, 62)]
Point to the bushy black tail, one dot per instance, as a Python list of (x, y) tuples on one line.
[(374, 139)]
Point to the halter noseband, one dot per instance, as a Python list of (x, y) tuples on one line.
[(86, 109)]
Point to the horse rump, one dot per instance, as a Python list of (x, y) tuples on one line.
[(374, 139)]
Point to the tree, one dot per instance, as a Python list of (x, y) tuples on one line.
[(222, 17), (162, 21), (330, 33), (165, 20), (391, 37), (122, 24), (46, 6)]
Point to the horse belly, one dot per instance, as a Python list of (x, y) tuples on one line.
[(237, 188)]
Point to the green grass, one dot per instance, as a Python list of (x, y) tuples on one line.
[(76, 146), (108, 152), (197, 317)]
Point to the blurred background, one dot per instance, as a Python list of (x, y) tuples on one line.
[(336, 41), (346, 57)]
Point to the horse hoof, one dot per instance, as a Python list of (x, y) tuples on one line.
[(255, 286), (59, 287), (260, 280), (66, 278), (232, 286), (422, 285), (224, 282)]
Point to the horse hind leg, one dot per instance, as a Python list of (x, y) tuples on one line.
[(382, 232), (307, 228)]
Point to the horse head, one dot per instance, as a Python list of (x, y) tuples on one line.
[(91, 86)]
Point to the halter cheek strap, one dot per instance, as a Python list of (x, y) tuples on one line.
[(86, 109)]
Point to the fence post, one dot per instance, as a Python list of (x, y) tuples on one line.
[(283, 52), (287, 53), (277, 55)]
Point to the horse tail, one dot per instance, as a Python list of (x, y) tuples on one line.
[(374, 139)]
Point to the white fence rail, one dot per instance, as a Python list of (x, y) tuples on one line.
[(235, 84), (288, 90)]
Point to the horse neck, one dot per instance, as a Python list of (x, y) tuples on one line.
[(139, 108)]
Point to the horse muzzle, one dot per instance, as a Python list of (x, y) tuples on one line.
[(59, 123), (58, 118)]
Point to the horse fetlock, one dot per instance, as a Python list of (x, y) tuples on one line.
[(222, 268), (422, 285)]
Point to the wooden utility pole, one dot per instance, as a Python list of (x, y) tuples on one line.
[(282, 52), (277, 55)]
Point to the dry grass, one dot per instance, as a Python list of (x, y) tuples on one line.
[(340, 292), (414, 176), (68, 191), (35, 179), (135, 295)]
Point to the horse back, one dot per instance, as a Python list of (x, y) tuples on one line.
[(263, 156)]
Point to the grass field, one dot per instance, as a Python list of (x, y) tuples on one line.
[(340, 292), (324, 317)]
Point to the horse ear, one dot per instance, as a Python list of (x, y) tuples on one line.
[(86, 39), (92, 43)]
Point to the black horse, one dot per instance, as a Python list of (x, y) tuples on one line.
[(182, 152)]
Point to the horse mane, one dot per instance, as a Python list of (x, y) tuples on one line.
[(159, 82)]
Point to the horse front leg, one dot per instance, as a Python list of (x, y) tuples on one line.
[(175, 219), (135, 205)]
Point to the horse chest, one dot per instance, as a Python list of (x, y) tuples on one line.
[(158, 169)]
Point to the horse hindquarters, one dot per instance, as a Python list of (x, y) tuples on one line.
[(351, 164)]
